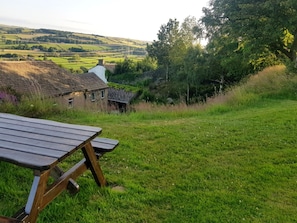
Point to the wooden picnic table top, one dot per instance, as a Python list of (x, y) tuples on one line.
[(40, 144)]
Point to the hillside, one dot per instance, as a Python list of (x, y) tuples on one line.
[(233, 160), (36, 42)]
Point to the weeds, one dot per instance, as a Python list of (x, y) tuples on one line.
[(32, 107)]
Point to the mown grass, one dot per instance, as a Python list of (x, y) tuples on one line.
[(223, 163)]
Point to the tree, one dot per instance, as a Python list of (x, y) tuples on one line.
[(185, 39), (126, 66), (173, 50), (160, 49), (229, 61), (262, 24), (190, 31), (193, 67), (147, 64)]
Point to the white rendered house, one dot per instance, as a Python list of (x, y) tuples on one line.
[(99, 70)]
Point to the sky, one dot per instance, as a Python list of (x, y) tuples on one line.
[(133, 19)]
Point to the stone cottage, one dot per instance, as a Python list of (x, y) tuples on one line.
[(45, 79)]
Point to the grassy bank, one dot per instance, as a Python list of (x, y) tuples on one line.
[(230, 162), (203, 167)]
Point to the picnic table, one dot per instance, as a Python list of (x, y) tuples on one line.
[(41, 145)]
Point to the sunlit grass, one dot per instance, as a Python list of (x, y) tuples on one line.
[(202, 167), (231, 161)]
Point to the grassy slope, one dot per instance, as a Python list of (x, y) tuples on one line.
[(221, 164), (185, 167)]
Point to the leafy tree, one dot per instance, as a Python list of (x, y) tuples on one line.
[(175, 50), (126, 66), (193, 68), (262, 24), (160, 49), (185, 39), (52, 49), (228, 61), (190, 31), (147, 64)]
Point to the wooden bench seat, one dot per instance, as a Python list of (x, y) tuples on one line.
[(104, 145)]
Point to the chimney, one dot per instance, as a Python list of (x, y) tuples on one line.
[(100, 62)]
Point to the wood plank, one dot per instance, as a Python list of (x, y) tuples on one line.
[(106, 140), (55, 189), (33, 149), (58, 128), (51, 132), (49, 122), (36, 195), (95, 168), (36, 136), (103, 145), (37, 142), (28, 160)]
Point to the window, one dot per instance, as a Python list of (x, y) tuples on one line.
[(93, 97), (102, 93), (70, 102)]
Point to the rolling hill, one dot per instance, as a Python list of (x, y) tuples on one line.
[(36, 42)]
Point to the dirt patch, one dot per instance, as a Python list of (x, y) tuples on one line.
[(118, 189)]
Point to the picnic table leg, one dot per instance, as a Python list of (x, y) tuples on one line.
[(72, 186), (36, 195), (94, 164)]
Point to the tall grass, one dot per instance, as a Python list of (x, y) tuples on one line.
[(36, 107), (271, 83)]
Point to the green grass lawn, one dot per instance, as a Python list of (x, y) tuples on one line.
[(216, 165)]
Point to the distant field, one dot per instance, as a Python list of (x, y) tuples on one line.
[(65, 61), (106, 41), (21, 52), (67, 46), (87, 62), (22, 36), (61, 47)]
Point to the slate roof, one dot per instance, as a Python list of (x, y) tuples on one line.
[(91, 81), (44, 78), (120, 95)]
